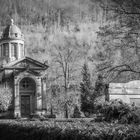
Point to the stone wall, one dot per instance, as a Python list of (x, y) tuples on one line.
[(128, 92)]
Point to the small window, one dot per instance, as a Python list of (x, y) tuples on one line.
[(16, 35)]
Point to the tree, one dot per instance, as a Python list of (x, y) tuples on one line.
[(64, 60), (101, 88), (76, 112), (86, 91), (117, 46), (5, 99)]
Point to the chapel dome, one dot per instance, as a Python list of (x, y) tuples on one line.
[(12, 32)]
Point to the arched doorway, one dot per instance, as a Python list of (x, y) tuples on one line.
[(27, 96)]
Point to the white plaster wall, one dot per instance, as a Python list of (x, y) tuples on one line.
[(125, 91), (125, 98)]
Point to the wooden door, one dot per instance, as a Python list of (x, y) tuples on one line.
[(25, 105)]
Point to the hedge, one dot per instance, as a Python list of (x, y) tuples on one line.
[(53, 130)]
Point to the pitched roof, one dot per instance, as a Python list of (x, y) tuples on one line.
[(24, 63)]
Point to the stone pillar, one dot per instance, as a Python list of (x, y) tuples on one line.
[(44, 94), (10, 51), (17, 112), (18, 51), (38, 95), (2, 50)]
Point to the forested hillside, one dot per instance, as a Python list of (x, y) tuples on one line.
[(49, 11), (68, 33)]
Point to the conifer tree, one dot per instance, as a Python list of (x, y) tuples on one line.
[(86, 91)]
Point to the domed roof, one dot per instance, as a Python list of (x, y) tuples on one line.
[(12, 32)]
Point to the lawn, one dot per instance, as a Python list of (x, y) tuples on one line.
[(71, 129)]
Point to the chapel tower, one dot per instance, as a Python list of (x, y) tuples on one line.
[(11, 43)]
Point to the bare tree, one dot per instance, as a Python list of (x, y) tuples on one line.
[(65, 65)]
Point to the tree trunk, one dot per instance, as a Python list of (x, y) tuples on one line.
[(66, 106), (66, 110), (106, 87)]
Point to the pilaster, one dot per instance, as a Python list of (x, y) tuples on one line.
[(17, 112), (44, 94), (38, 94)]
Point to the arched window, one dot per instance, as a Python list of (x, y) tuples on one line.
[(27, 84)]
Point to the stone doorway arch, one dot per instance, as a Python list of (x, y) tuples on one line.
[(27, 89), (36, 82)]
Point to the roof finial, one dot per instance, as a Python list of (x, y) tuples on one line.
[(12, 21)]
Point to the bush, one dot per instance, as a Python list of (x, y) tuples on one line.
[(5, 99), (37, 130), (76, 113), (118, 111)]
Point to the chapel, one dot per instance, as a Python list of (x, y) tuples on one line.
[(22, 75)]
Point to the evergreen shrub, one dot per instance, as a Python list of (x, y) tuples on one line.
[(118, 111)]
